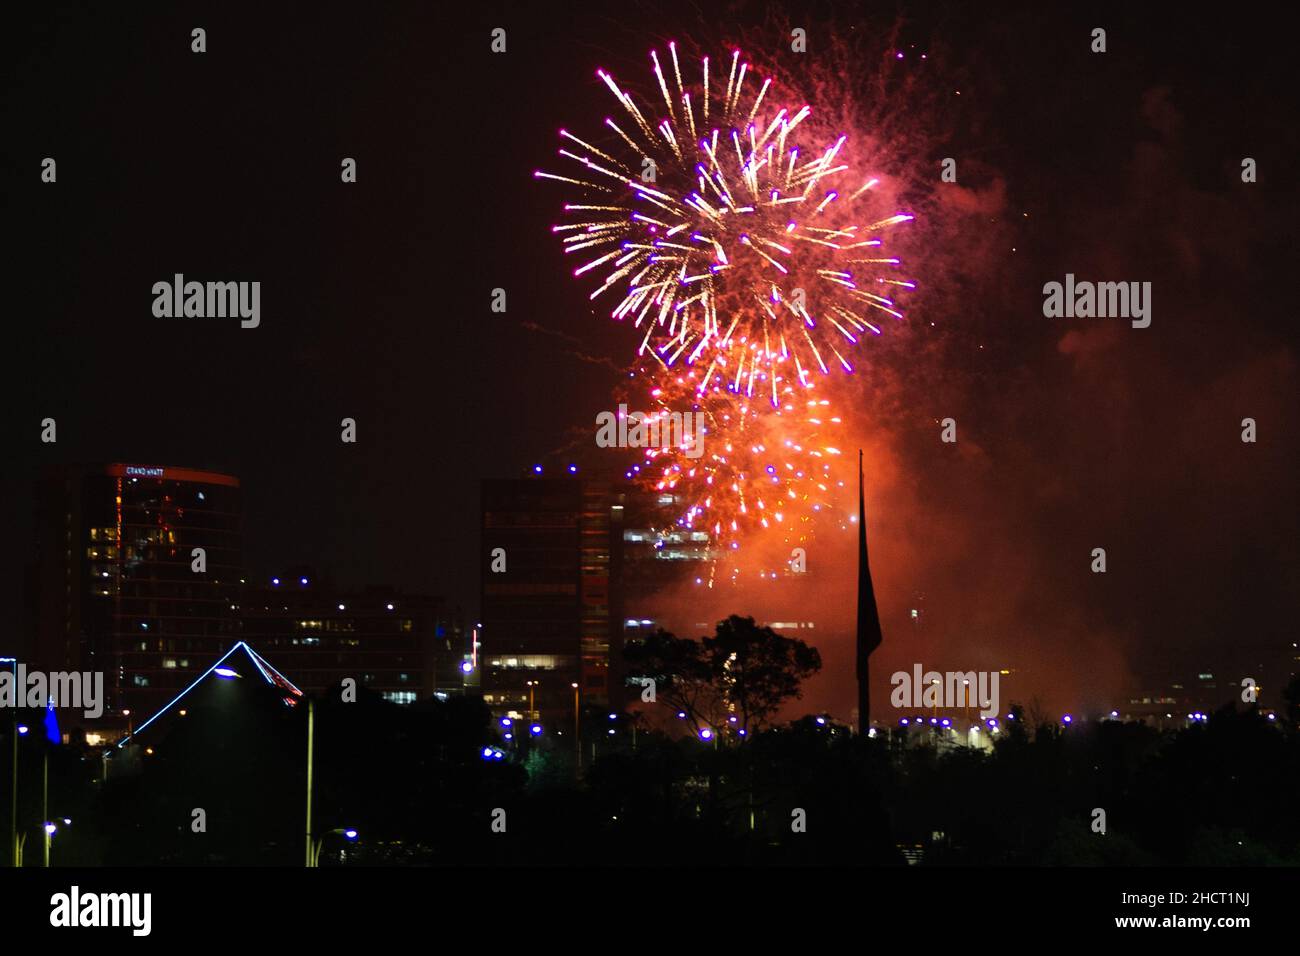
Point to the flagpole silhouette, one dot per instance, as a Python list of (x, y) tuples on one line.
[(869, 636)]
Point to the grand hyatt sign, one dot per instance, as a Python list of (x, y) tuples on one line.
[(159, 473)]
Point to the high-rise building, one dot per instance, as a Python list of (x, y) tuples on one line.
[(550, 608), (658, 558), (404, 647), (138, 576)]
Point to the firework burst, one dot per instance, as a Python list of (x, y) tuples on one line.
[(756, 467), (734, 247)]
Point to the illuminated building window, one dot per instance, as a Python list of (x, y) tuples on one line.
[(531, 662)]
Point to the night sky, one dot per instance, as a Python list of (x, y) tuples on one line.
[(1073, 433)]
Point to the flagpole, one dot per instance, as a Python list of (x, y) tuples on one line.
[(864, 682), (869, 635)]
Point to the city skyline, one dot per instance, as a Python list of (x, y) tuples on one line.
[(640, 592), (458, 449), (1072, 434)]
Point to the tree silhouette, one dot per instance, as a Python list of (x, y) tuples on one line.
[(743, 671)]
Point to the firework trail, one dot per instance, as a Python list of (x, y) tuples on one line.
[(737, 250)]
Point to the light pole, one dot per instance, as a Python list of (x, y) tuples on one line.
[(311, 738), (45, 804), (577, 725), (20, 730), (13, 798)]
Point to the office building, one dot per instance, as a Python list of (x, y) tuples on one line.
[(138, 576)]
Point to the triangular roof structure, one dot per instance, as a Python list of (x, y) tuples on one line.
[(289, 692)]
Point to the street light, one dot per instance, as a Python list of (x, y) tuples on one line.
[(532, 689), (50, 829), (347, 833)]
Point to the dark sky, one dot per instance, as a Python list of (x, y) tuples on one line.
[(1073, 433)]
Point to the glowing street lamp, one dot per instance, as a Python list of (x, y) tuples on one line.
[(347, 833)]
